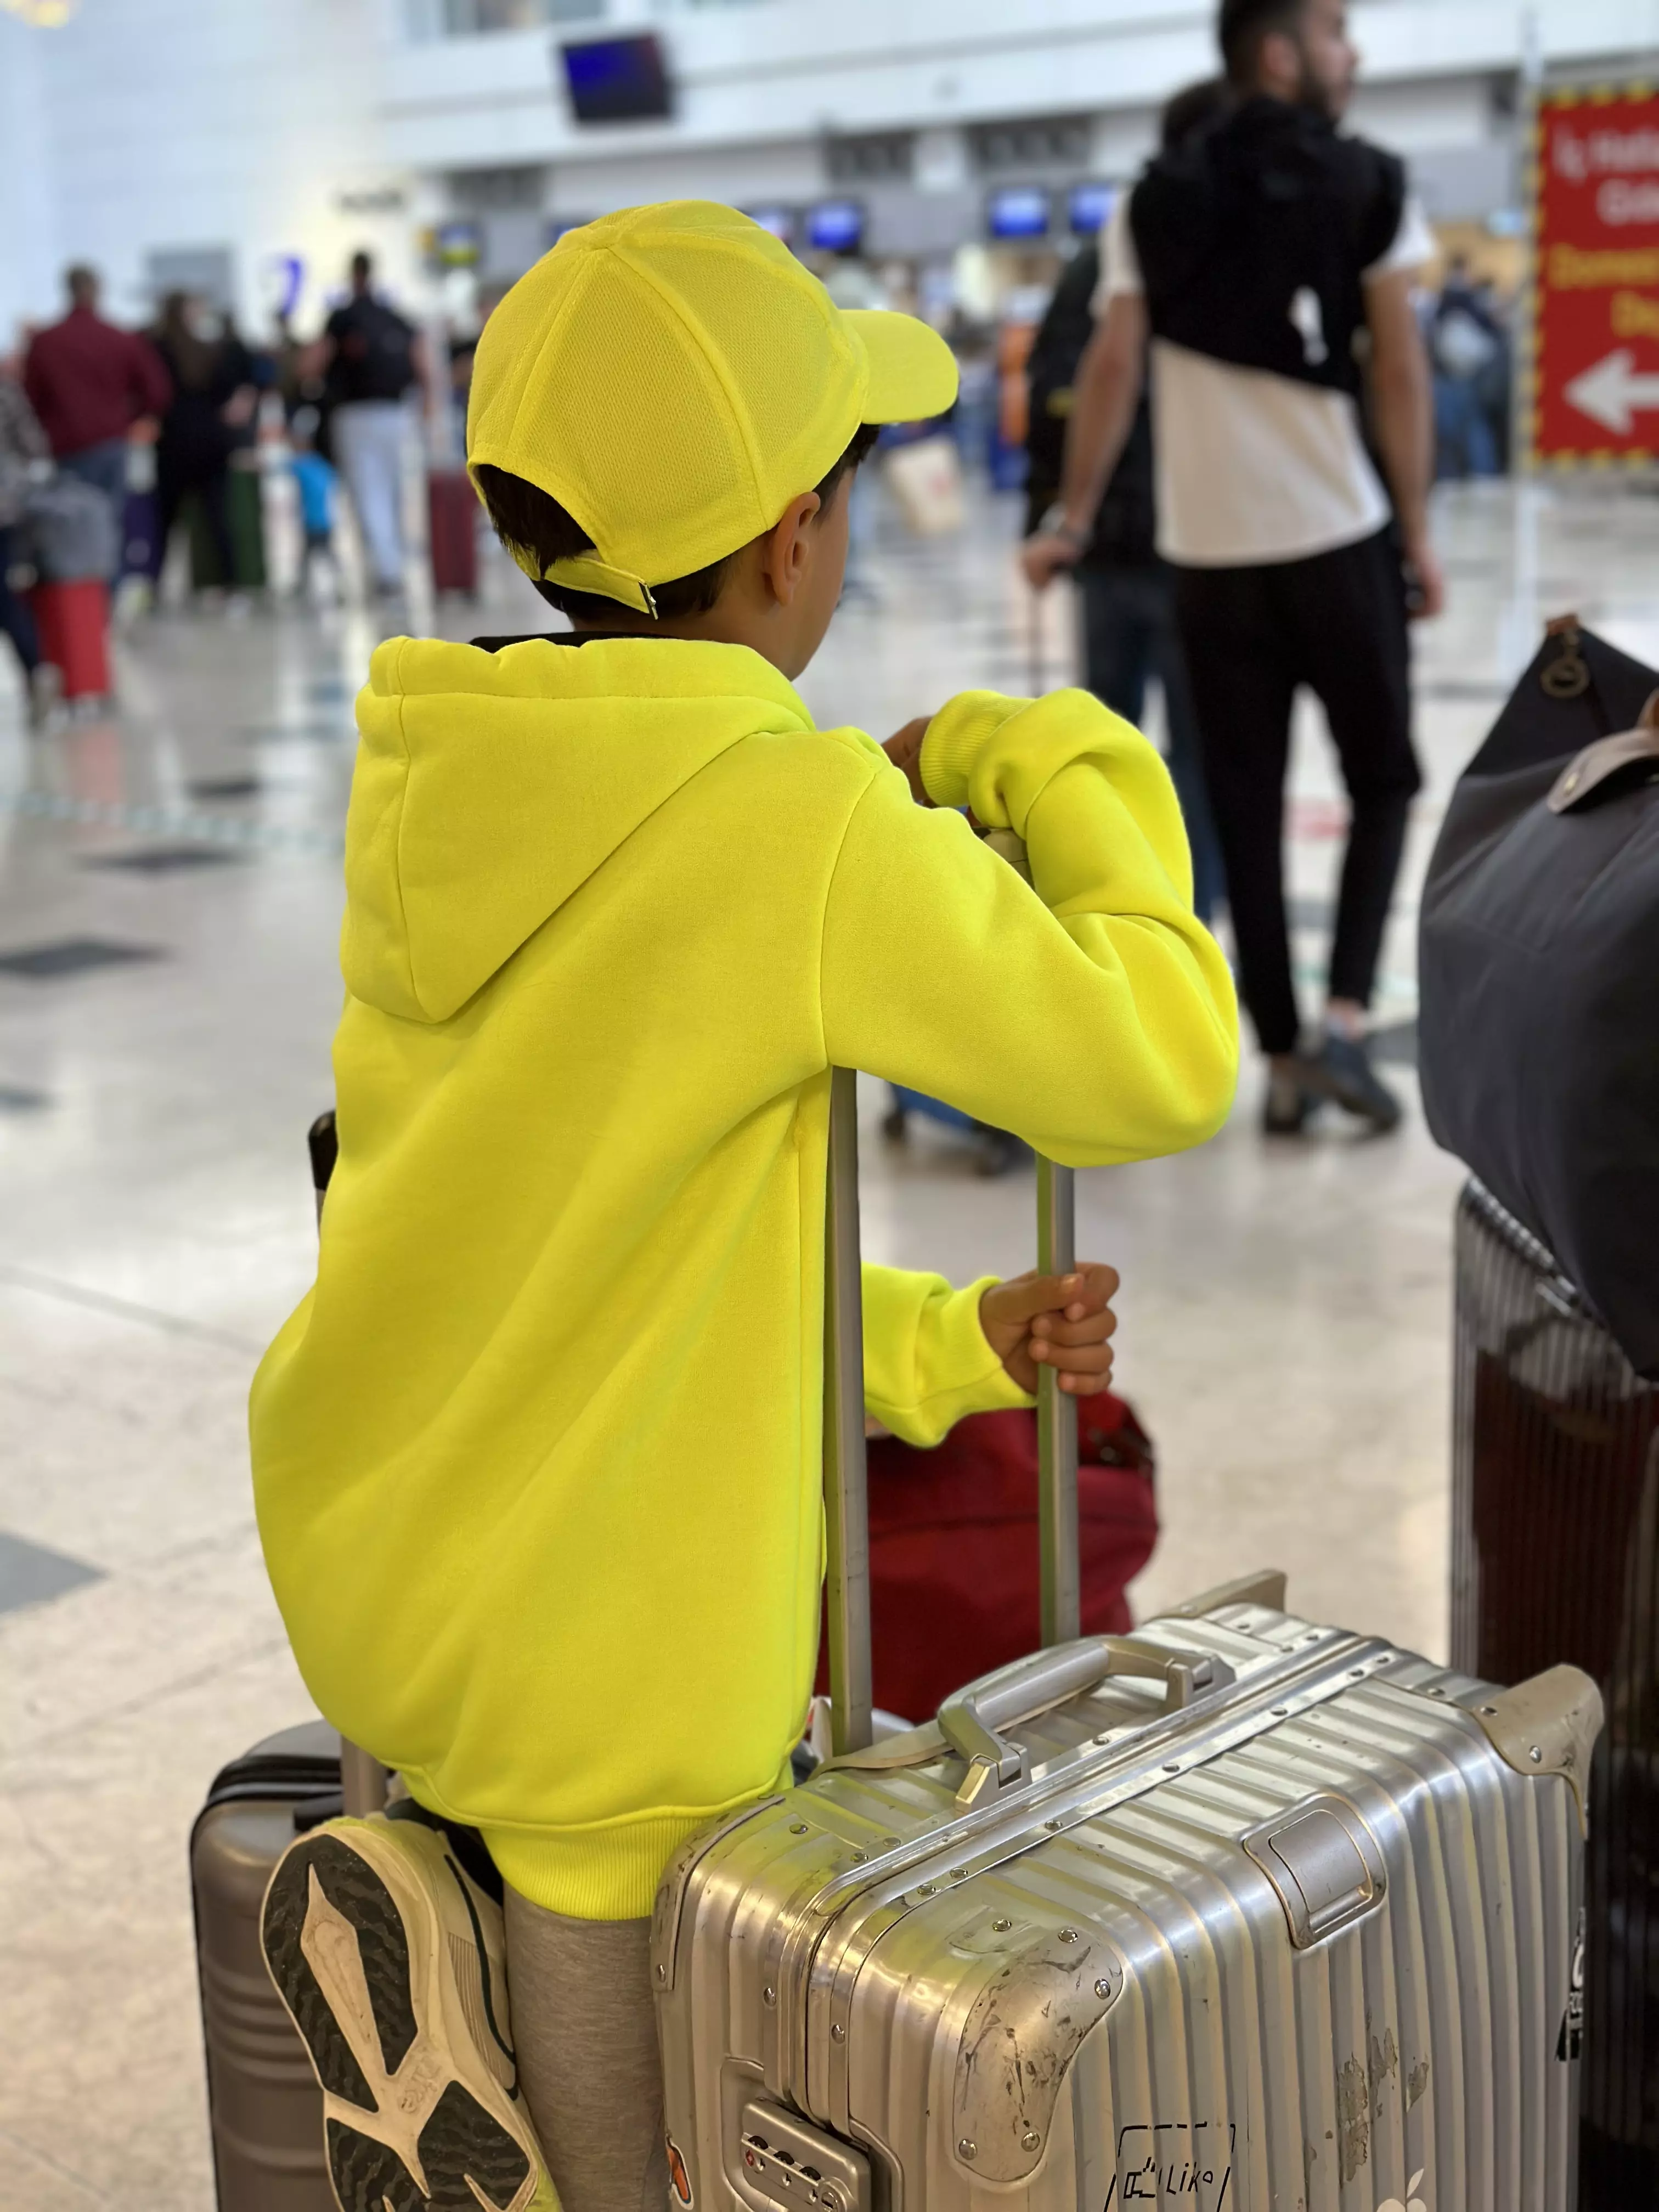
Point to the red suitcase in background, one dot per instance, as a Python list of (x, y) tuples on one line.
[(953, 1547), (453, 530), (73, 619)]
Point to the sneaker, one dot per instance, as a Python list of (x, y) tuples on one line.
[(391, 1963), (1288, 1102), (46, 693), (997, 1153), (1341, 1071)]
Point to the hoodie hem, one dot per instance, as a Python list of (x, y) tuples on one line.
[(609, 1871)]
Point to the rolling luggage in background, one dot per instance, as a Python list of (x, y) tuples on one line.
[(1555, 1556), (265, 2106), (453, 513), (1241, 1913), (953, 1555), (244, 503), (141, 536), (73, 619)]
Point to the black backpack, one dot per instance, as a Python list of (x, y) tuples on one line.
[(375, 352), (1539, 974), (1126, 526)]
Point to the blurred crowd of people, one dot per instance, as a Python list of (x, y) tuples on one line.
[(156, 422), (1467, 325)]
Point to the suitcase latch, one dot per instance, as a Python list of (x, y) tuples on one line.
[(1323, 1861), (785, 2160)]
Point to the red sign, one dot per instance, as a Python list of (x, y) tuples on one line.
[(1595, 308)]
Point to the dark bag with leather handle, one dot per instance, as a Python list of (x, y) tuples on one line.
[(1538, 1033)]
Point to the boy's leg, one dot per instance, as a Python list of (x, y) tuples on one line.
[(585, 2029)]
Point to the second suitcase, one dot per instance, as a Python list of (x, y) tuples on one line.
[(1244, 1913), (453, 517)]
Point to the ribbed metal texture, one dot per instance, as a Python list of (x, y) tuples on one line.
[(1555, 1556), (1090, 1997)]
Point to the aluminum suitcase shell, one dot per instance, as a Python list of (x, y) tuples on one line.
[(1093, 1994), (1303, 1934)]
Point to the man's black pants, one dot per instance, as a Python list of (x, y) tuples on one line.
[(1336, 622)]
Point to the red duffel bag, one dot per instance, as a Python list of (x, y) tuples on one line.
[(953, 1547)]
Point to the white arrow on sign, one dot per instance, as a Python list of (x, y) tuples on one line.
[(1612, 393)]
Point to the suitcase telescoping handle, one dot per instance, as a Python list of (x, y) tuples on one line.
[(845, 1478)]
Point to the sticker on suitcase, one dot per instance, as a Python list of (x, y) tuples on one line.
[(1173, 2163)]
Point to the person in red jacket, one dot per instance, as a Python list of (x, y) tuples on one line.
[(95, 389)]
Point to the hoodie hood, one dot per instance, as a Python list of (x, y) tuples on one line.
[(489, 785)]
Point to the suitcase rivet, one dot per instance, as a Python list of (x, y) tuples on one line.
[(1066, 1936), (1535, 1754), (837, 2033), (662, 1973), (1281, 1712), (889, 1842), (1102, 1988), (768, 1994), (798, 1827), (1356, 1671), (1053, 1826), (857, 1858), (959, 1873), (1489, 1709), (1030, 2140), (1002, 1926), (924, 1889), (1172, 1767), (966, 2149)]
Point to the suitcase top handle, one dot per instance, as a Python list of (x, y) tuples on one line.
[(970, 1721), (845, 1480)]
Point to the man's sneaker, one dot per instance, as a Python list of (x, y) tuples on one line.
[(1341, 1071), (391, 1962), (1289, 1100)]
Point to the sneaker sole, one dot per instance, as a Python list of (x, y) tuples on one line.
[(466, 2158)]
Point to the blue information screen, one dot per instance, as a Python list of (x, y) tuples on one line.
[(616, 79)]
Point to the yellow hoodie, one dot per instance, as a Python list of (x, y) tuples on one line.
[(536, 1461)]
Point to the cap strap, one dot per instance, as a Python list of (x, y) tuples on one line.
[(582, 572)]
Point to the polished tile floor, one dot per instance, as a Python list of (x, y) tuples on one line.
[(169, 900)]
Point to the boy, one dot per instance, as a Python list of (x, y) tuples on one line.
[(536, 1461)]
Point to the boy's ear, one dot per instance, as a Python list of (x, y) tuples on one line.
[(786, 548)]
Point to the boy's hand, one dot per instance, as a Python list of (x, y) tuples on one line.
[(903, 749), (1055, 1321)]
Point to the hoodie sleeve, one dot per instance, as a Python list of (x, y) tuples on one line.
[(926, 1361), (1092, 1015)]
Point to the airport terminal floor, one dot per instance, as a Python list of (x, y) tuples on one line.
[(169, 906)]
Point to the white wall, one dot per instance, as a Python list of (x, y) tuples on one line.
[(151, 124)]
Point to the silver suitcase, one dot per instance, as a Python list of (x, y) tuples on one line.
[(1239, 1912)]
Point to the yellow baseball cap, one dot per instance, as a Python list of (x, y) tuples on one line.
[(674, 376)]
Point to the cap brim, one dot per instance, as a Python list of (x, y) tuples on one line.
[(913, 373)]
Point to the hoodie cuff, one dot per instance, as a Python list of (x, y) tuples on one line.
[(956, 738)]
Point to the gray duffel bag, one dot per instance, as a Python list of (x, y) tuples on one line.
[(69, 531)]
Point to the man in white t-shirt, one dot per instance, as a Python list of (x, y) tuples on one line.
[(1256, 263)]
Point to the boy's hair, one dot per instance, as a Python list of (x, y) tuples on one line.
[(1245, 23), (529, 520)]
